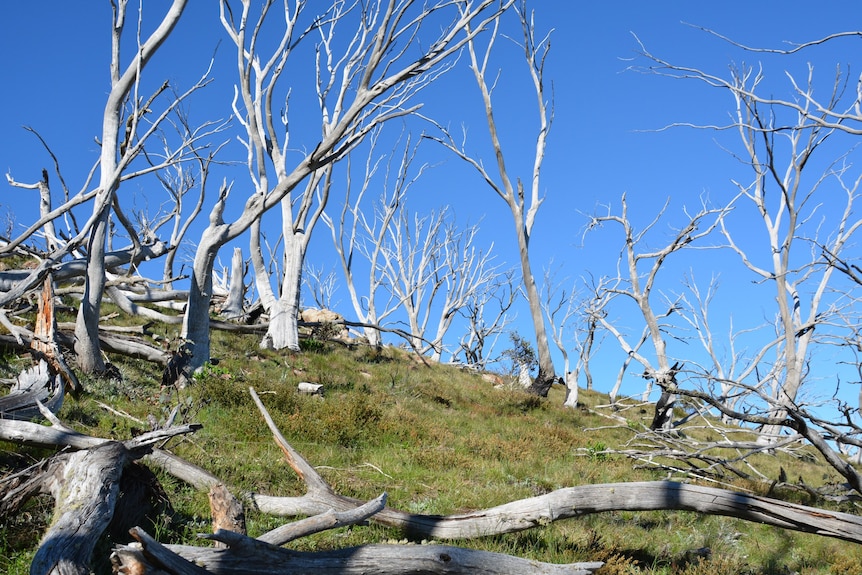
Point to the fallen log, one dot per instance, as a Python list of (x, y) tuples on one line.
[(110, 343), (14, 280), (58, 435), (85, 486), (248, 556), (560, 504)]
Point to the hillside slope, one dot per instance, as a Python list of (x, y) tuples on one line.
[(438, 440)]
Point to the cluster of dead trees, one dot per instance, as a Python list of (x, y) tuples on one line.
[(423, 267), (374, 62)]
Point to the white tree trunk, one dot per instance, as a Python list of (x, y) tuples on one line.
[(233, 308), (114, 157), (283, 329), (87, 323), (196, 320), (571, 389), (524, 379)]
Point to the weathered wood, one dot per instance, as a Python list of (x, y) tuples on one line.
[(226, 510), (84, 484), (584, 500), (59, 435), (323, 522), (85, 489), (232, 309), (133, 308), (33, 385), (247, 556), (310, 388), (44, 340), (11, 280), (110, 343), (183, 470)]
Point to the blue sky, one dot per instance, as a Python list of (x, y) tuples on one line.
[(603, 141)]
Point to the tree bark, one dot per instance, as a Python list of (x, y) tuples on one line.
[(571, 389), (283, 329), (251, 556), (546, 376), (226, 510), (87, 323), (34, 385), (233, 306), (44, 340), (85, 487), (196, 320)]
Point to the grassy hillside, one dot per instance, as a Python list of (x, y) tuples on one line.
[(438, 440)]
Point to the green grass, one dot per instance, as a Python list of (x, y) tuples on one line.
[(438, 440)]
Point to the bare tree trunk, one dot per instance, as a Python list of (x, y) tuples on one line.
[(571, 389), (196, 320), (115, 155), (87, 324), (233, 306), (546, 376), (283, 331), (51, 241), (511, 189)]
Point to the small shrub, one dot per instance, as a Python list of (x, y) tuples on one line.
[(221, 391), (312, 345), (846, 565), (326, 330), (597, 451)]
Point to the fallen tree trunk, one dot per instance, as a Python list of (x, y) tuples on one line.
[(12, 279), (249, 556), (514, 516), (560, 504), (85, 486), (110, 343), (79, 489)]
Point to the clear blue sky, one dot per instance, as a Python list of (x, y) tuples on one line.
[(54, 66)]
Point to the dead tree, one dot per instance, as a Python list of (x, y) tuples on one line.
[(638, 275), (553, 304), (362, 230), (129, 122), (52, 241), (432, 269), (510, 189), (487, 314), (85, 486), (780, 141), (122, 138)]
